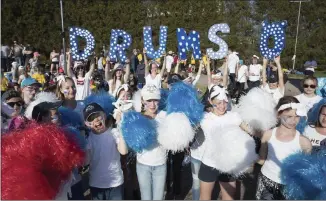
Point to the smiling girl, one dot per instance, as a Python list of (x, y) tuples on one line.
[(277, 144)]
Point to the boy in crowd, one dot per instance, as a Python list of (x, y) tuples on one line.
[(103, 155)]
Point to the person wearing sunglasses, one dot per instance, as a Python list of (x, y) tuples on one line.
[(29, 88), (309, 96), (81, 78), (11, 107)]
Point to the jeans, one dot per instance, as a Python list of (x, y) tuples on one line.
[(195, 165), (114, 193), (77, 192), (151, 181), (18, 60)]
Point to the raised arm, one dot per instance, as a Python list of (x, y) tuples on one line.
[(201, 65), (92, 67), (107, 69), (280, 73), (208, 69), (146, 63), (176, 69), (164, 65), (265, 61), (127, 75), (225, 73), (70, 73)]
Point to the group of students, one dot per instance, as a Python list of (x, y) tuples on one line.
[(105, 142)]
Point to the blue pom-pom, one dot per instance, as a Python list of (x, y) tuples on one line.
[(304, 176), (138, 131), (74, 134), (69, 117), (183, 98), (103, 99), (313, 114), (301, 125), (163, 100)]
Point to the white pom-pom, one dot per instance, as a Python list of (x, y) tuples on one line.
[(232, 149), (175, 132), (39, 98), (136, 99), (257, 109)]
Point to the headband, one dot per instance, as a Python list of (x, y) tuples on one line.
[(124, 87), (301, 111), (219, 93), (61, 78)]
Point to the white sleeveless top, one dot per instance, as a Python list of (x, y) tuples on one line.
[(277, 152)]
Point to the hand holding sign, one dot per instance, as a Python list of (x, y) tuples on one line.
[(277, 31)]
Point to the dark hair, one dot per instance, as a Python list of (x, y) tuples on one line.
[(310, 77), (11, 94), (285, 100), (318, 124)]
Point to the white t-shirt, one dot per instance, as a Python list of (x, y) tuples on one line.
[(242, 74), (62, 59), (211, 125), (157, 155), (156, 81), (276, 93), (317, 140), (100, 64), (255, 69), (113, 90), (233, 60), (54, 57), (105, 167), (308, 101), (83, 88), (169, 62)]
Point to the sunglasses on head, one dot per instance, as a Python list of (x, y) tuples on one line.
[(311, 86), (12, 104)]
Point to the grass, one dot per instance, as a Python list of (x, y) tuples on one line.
[(317, 74)]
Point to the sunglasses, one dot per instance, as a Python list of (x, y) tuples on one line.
[(12, 104), (29, 88), (311, 86)]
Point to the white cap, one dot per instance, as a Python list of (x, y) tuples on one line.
[(21, 67), (254, 56), (150, 92), (170, 52)]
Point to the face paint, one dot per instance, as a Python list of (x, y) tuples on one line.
[(289, 122), (65, 91)]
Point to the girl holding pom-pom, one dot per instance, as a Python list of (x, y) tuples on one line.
[(277, 144), (212, 123)]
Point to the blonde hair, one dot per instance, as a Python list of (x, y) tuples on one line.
[(58, 92)]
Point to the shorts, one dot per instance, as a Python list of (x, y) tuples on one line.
[(55, 62), (210, 174)]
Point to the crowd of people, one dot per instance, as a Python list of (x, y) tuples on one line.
[(33, 94)]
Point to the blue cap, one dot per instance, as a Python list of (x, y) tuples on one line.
[(28, 82)]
